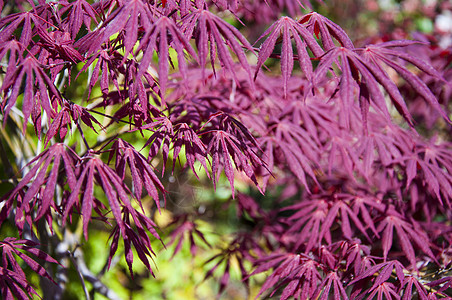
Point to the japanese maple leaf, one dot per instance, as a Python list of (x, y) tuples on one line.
[(408, 283), (131, 110), (366, 206), (313, 219), (306, 223), (384, 271), (15, 50), (185, 228), (107, 65), (246, 204), (352, 64), (385, 53), (70, 112), (207, 28), (140, 89), (34, 75), (316, 117), (406, 233), (342, 155), (321, 25), (28, 20), (222, 147), (93, 171), (142, 172), (182, 6), (162, 137), (383, 147), (12, 248), (13, 286), (354, 253), (340, 206), (303, 39), (38, 184), (232, 5), (297, 273), (60, 45), (13, 281), (194, 147), (136, 235), (156, 38), (387, 289), (298, 150), (293, 7), (78, 12), (92, 168), (236, 252), (59, 125), (193, 111), (231, 140), (435, 164), (331, 285), (129, 17), (443, 284)]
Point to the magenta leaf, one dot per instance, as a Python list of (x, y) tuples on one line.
[(331, 285), (79, 12), (318, 24), (290, 29), (420, 290), (383, 53), (38, 185), (351, 146), (142, 172), (299, 273), (186, 229), (46, 96), (194, 147), (207, 28), (107, 65), (406, 233), (234, 253), (13, 280), (127, 19), (156, 39), (29, 21), (385, 270), (373, 76), (232, 143), (92, 170), (10, 250), (14, 285)]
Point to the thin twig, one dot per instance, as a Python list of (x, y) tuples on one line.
[(81, 132), (80, 275)]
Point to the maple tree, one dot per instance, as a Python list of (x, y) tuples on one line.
[(336, 153)]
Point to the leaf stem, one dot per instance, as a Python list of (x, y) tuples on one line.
[(82, 134)]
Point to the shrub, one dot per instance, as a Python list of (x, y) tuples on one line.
[(336, 152)]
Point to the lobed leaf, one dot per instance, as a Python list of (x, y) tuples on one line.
[(156, 38), (290, 29), (206, 27)]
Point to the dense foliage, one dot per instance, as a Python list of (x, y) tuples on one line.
[(336, 150)]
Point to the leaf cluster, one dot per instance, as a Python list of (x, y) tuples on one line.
[(346, 193)]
